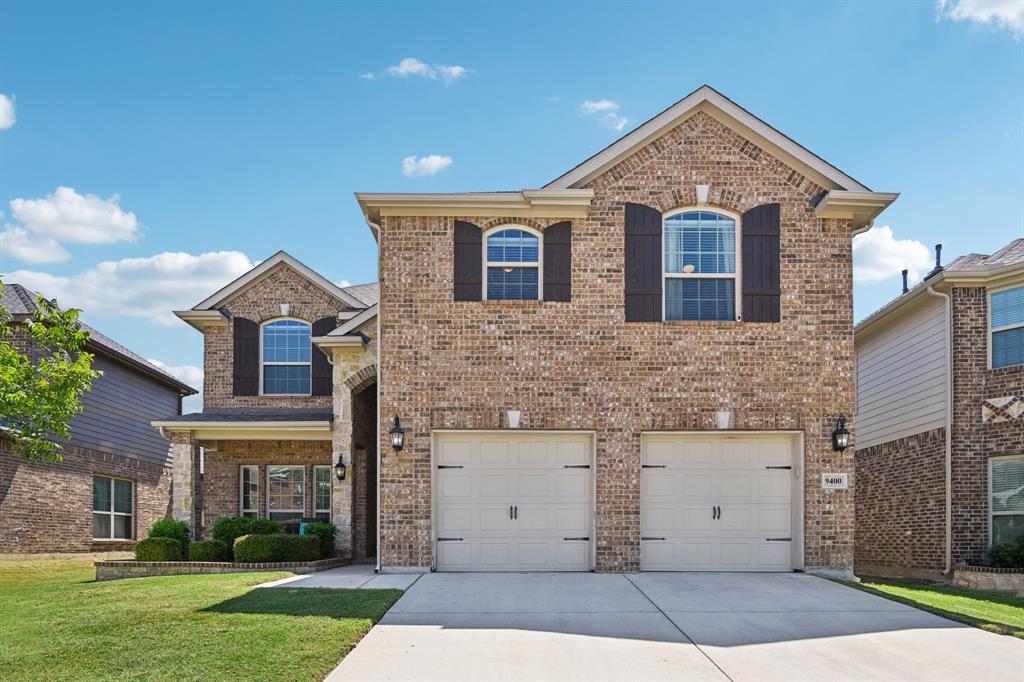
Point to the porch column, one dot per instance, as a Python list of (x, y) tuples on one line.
[(341, 446), (182, 478)]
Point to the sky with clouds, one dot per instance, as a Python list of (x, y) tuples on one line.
[(150, 153)]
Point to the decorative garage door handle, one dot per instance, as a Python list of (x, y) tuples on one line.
[(785, 467), (716, 512), (449, 466), (576, 466), (778, 539), (449, 539), (646, 537), (653, 466), (586, 538)]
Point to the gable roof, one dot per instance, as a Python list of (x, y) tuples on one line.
[(21, 304), (368, 293), (1011, 254), (265, 268), (706, 98)]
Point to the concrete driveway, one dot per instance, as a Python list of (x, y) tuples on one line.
[(667, 626)]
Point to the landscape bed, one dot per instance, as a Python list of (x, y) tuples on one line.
[(116, 570)]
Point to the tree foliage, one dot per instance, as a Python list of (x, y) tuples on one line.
[(42, 377)]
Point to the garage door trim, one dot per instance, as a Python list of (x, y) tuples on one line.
[(435, 434), (799, 476)]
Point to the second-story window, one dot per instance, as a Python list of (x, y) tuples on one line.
[(512, 264), (700, 277), (286, 354), (1007, 316)]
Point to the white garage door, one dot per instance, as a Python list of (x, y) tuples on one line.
[(717, 503), (513, 501)]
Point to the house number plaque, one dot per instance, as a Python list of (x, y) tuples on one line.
[(835, 481)]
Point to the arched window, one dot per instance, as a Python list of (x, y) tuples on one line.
[(286, 353), (700, 273), (512, 264)]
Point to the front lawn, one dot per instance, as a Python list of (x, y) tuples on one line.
[(999, 612), (56, 623)]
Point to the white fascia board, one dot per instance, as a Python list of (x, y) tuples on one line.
[(204, 430), (264, 268), (861, 207), (526, 203), (201, 319), (355, 322), (338, 341), (671, 117)]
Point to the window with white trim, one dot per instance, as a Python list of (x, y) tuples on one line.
[(286, 353), (286, 495), (112, 504), (1006, 498), (1007, 319), (249, 491), (512, 264), (700, 256), (322, 493)]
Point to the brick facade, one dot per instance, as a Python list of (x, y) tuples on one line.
[(53, 500), (901, 507), (579, 365)]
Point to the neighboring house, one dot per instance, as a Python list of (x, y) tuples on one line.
[(638, 366), (928, 399), (289, 390), (114, 481)]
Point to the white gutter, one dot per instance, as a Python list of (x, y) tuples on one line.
[(949, 427)]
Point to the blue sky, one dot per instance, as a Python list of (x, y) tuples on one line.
[(150, 152)]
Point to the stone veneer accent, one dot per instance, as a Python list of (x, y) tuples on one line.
[(985, 578), (53, 500), (579, 365), (116, 570), (901, 507)]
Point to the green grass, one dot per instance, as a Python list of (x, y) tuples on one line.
[(56, 623), (999, 612)]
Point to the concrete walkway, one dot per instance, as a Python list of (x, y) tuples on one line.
[(667, 626), (356, 577)]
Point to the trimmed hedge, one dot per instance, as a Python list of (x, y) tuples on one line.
[(258, 549), (169, 528), (208, 550), (228, 528), (158, 549), (325, 531), (1006, 554)]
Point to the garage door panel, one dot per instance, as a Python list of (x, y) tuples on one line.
[(526, 472), (715, 504)]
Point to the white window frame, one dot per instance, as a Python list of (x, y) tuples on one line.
[(242, 511), (330, 472), (503, 264), (737, 276), (293, 364), (1005, 327), (991, 512), (305, 490), (112, 513)]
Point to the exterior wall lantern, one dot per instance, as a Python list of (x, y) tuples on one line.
[(841, 436), (339, 468), (397, 434)]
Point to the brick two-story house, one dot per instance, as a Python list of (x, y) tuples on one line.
[(114, 479), (940, 414), (639, 365)]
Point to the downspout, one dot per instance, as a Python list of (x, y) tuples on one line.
[(949, 427)]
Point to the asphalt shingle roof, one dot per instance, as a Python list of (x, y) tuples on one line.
[(367, 293), (256, 415)]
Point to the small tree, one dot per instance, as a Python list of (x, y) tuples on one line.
[(41, 386)]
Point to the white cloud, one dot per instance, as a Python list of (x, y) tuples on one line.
[(7, 117), (424, 166), (190, 374), (410, 66), (149, 288), (877, 255), (69, 216), (19, 243), (606, 111), (1006, 14)]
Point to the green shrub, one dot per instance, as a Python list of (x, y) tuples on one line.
[(1006, 554), (324, 531), (208, 550), (169, 528), (228, 528), (254, 549), (158, 549)]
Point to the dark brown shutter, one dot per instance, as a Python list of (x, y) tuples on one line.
[(468, 261), (558, 262), (643, 263), (761, 289), (247, 357), (322, 378)]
